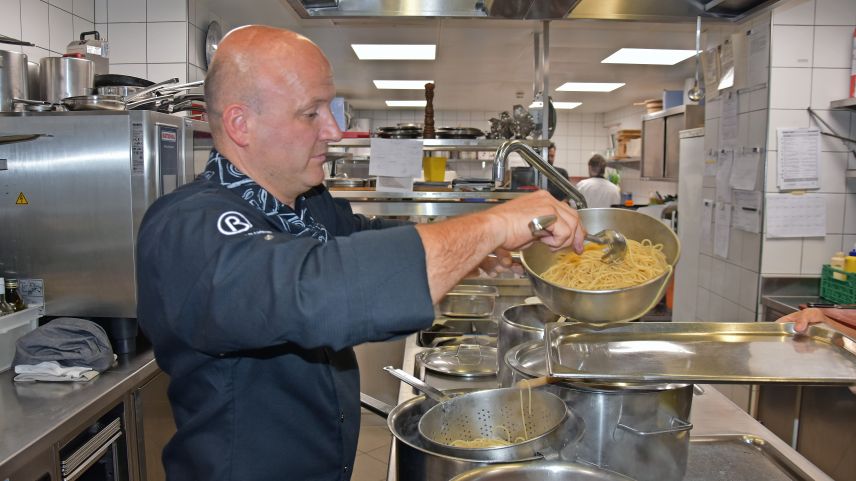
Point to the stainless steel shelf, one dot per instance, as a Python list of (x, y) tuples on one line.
[(447, 144), (422, 204), (843, 104), (850, 173)]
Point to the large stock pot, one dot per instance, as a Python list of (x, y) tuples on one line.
[(415, 460), (639, 430), (518, 324)]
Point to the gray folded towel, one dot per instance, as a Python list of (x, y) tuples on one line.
[(68, 341)]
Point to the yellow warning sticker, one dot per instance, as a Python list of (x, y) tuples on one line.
[(22, 199)]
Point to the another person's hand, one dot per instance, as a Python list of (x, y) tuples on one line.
[(499, 262), (803, 318)]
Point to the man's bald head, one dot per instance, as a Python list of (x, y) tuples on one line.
[(254, 61)]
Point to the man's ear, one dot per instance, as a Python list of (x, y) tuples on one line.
[(235, 123)]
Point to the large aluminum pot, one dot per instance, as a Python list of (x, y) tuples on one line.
[(414, 460), (520, 323), (540, 471), (616, 305), (640, 430), (13, 80), (64, 77)]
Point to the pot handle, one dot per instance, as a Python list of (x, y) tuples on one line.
[(678, 425), (374, 405)]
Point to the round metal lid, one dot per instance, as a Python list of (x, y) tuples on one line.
[(464, 360)]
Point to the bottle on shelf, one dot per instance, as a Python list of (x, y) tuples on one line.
[(5, 307), (850, 260), (12, 296), (837, 262)]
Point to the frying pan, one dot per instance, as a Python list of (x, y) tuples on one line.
[(116, 80), (117, 102)]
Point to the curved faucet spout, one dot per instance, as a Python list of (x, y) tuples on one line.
[(532, 158)]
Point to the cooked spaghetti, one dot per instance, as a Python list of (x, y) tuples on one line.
[(642, 262)]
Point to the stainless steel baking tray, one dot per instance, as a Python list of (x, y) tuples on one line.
[(711, 352), (735, 457)]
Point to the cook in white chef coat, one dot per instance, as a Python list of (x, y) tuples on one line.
[(598, 191)]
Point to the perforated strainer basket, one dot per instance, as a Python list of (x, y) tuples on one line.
[(507, 414)]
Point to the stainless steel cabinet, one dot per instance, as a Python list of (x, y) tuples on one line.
[(661, 142), (155, 426)]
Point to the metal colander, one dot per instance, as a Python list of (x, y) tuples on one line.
[(496, 413)]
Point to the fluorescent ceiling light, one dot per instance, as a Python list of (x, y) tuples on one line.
[(366, 51), (406, 103), (649, 56), (402, 84), (557, 105), (588, 87)]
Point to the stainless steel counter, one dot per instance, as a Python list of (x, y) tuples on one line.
[(35, 415), (788, 304), (712, 414)]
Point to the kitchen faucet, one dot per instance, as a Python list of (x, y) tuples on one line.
[(535, 160)]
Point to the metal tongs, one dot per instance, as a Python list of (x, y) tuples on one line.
[(616, 244)]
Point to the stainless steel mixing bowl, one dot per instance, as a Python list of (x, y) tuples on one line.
[(607, 306)]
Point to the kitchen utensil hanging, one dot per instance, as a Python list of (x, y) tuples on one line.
[(696, 92)]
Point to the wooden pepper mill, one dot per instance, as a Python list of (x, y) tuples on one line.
[(428, 128)]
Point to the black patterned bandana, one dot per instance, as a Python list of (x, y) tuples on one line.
[(297, 221)]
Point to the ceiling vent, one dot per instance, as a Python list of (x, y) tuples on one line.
[(628, 10)]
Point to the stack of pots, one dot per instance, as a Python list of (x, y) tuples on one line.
[(639, 430)]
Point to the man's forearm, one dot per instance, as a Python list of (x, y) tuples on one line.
[(454, 248)]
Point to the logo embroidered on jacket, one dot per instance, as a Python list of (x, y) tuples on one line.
[(231, 223)]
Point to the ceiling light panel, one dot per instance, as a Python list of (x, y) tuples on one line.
[(557, 105), (648, 56), (406, 103), (588, 87), (367, 51), (401, 84)]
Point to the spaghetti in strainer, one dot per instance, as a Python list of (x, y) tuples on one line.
[(528, 421)]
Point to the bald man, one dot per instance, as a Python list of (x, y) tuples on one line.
[(254, 282)]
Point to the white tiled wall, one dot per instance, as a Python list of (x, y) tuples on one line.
[(727, 288), (154, 39), (577, 136), (810, 66), (51, 26)]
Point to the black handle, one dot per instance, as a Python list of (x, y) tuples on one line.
[(831, 306), (14, 41), (94, 32)]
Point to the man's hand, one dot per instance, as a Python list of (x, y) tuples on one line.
[(459, 245)]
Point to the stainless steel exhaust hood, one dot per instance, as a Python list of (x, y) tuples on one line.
[(631, 10)]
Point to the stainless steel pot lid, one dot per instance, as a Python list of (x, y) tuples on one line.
[(464, 360), (530, 360)]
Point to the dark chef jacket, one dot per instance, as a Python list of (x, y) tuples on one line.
[(255, 326)]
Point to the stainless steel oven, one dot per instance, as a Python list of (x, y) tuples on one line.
[(72, 199)]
